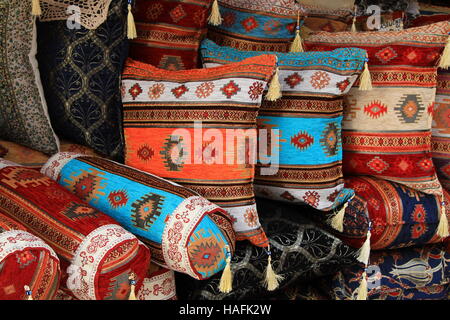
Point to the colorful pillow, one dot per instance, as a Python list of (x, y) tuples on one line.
[(306, 154), (169, 32), (408, 274), (97, 255), (159, 284), (198, 128), (185, 232), (23, 110), (80, 71), (400, 216), (25, 260), (300, 252), (387, 131)]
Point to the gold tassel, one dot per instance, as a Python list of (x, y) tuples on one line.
[(337, 220), (444, 61), (365, 82), (35, 8), (362, 290), (28, 292), (274, 92), (214, 18), (354, 21), (132, 281), (226, 281), (363, 253), (297, 44), (442, 229), (271, 279), (131, 28)]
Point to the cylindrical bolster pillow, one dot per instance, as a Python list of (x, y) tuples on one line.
[(26, 260), (95, 251), (185, 232)]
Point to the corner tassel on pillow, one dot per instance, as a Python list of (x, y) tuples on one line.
[(214, 18), (226, 281), (35, 8), (132, 280), (363, 253), (362, 290), (444, 61), (28, 292), (131, 27), (297, 44), (365, 83), (271, 279), (354, 21), (274, 92), (442, 229)]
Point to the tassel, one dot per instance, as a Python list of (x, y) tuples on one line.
[(444, 61), (271, 280), (132, 281), (337, 220), (214, 18), (442, 229), (354, 21), (297, 44), (28, 292), (226, 281), (365, 83), (35, 8), (131, 28), (362, 290), (364, 252), (274, 92)]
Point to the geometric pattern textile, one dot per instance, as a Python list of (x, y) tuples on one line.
[(159, 284)]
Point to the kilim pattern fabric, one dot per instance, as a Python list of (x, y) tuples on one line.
[(185, 232), (198, 128), (96, 254), (158, 285), (387, 131), (25, 260)]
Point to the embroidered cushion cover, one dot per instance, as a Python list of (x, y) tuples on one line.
[(96, 253), (169, 32), (420, 273), (387, 131), (25, 260), (269, 25), (301, 251), (198, 128), (158, 285), (400, 216), (80, 71), (23, 110), (308, 117), (185, 232)]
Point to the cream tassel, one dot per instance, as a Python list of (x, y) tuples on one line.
[(271, 280), (214, 18), (35, 8), (442, 229), (132, 281), (354, 21), (444, 61), (274, 92), (363, 253), (28, 292), (365, 82), (226, 281), (131, 28), (362, 290), (297, 44)]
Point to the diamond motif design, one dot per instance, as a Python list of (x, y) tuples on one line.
[(426, 164), (386, 54), (177, 13), (249, 24), (410, 108), (179, 91), (375, 109), (293, 80), (135, 90), (302, 140), (230, 89), (378, 165), (331, 138)]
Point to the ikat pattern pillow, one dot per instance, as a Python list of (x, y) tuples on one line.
[(184, 231), (26, 260), (387, 131), (80, 71), (169, 32), (96, 253), (305, 158), (198, 128), (24, 116)]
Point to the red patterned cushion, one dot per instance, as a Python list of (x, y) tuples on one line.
[(96, 253), (387, 131), (169, 32), (25, 260)]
